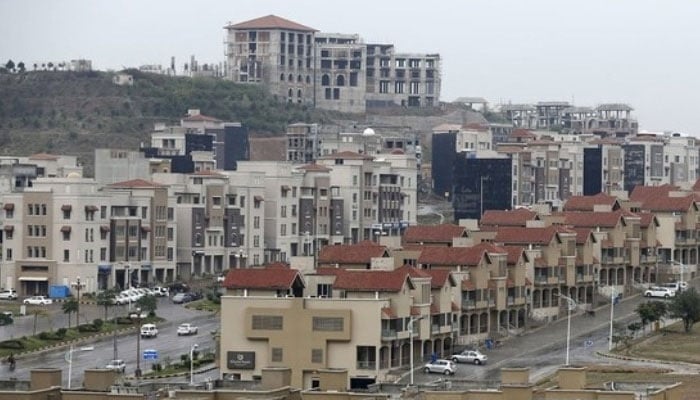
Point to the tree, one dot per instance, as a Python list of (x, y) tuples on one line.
[(50, 65), (37, 312), (10, 65), (651, 311), (106, 299), (20, 66), (69, 307), (686, 305), (148, 303)]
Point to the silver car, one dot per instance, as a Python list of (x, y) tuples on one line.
[(445, 367), (470, 356)]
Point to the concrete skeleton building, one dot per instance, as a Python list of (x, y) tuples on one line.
[(328, 70)]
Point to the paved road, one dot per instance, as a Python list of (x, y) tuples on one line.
[(98, 354)]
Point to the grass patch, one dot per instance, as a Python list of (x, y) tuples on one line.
[(670, 344), (204, 305), (179, 367)]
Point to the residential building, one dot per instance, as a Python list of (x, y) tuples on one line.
[(481, 184)]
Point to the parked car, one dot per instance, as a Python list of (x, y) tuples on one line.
[(186, 329), (149, 330), (445, 367), (38, 301), (8, 294), (470, 356), (196, 296), (116, 365), (178, 287), (161, 291), (135, 314), (182, 298), (121, 299), (676, 286), (658, 291)]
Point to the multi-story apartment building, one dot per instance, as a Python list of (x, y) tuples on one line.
[(142, 233), (329, 70), (220, 216), (52, 234), (549, 114), (303, 143)]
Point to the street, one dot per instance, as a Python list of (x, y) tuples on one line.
[(98, 353)]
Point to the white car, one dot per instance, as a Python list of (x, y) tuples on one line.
[(8, 294), (445, 367), (676, 286), (116, 365), (38, 301), (470, 356), (658, 291), (149, 330), (187, 329), (161, 291)]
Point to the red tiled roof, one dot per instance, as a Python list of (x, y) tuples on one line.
[(514, 254), (371, 280), (314, 168), (586, 203), (43, 157), (592, 219), (520, 235), (582, 234), (271, 22), (646, 219), (434, 308), (433, 233), (451, 255), (522, 133), (200, 118), (696, 186), (136, 183), (389, 312), (261, 278), (361, 253), (439, 277), (517, 217), (397, 151), (468, 285), (346, 155), (642, 193), (669, 204)]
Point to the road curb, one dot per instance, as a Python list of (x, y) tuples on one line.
[(65, 344), (174, 375)]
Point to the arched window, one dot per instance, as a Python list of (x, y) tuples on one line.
[(291, 78), (282, 77), (308, 79), (325, 80), (290, 93), (299, 93), (340, 80), (300, 79)]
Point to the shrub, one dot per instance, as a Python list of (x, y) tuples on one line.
[(87, 328), (124, 321), (61, 332), (46, 336), (14, 344), (156, 367), (97, 323)]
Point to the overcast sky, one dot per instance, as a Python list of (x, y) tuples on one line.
[(644, 53)]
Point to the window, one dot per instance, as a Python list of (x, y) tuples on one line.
[(256, 240), (8, 235), (283, 230), (267, 322), (323, 290), (103, 254), (66, 255), (328, 324), (283, 211), (171, 234), (294, 228), (171, 253), (8, 254), (317, 356), (66, 235), (242, 201), (277, 354), (294, 210), (103, 212), (256, 222)]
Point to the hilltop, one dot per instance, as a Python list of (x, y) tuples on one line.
[(72, 113)]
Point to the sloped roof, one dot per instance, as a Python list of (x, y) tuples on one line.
[(271, 22), (43, 157), (582, 234), (587, 203), (517, 217), (314, 168), (360, 253), (440, 278), (274, 278), (514, 253), (136, 183), (642, 193), (451, 255), (371, 280), (646, 219), (200, 118), (521, 235), (592, 219), (433, 233), (669, 204)]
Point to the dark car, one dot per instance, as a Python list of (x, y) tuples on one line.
[(196, 295), (178, 287)]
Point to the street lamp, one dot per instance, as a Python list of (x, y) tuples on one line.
[(571, 306), (137, 373), (410, 333), (681, 268), (192, 349), (76, 285), (127, 267), (612, 310)]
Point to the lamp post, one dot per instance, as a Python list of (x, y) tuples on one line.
[(76, 285), (410, 333), (127, 267), (612, 311), (137, 373), (571, 306), (192, 349), (681, 267)]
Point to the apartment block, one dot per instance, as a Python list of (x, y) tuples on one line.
[(333, 71)]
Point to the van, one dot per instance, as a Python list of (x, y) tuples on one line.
[(149, 331), (677, 286)]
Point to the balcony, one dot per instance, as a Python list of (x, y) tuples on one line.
[(510, 301), (389, 334), (434, 329), (468, 304), (366, 364)]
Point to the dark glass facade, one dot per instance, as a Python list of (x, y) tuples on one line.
[(481, 184)]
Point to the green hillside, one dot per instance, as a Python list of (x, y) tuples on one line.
[(74, 112)]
